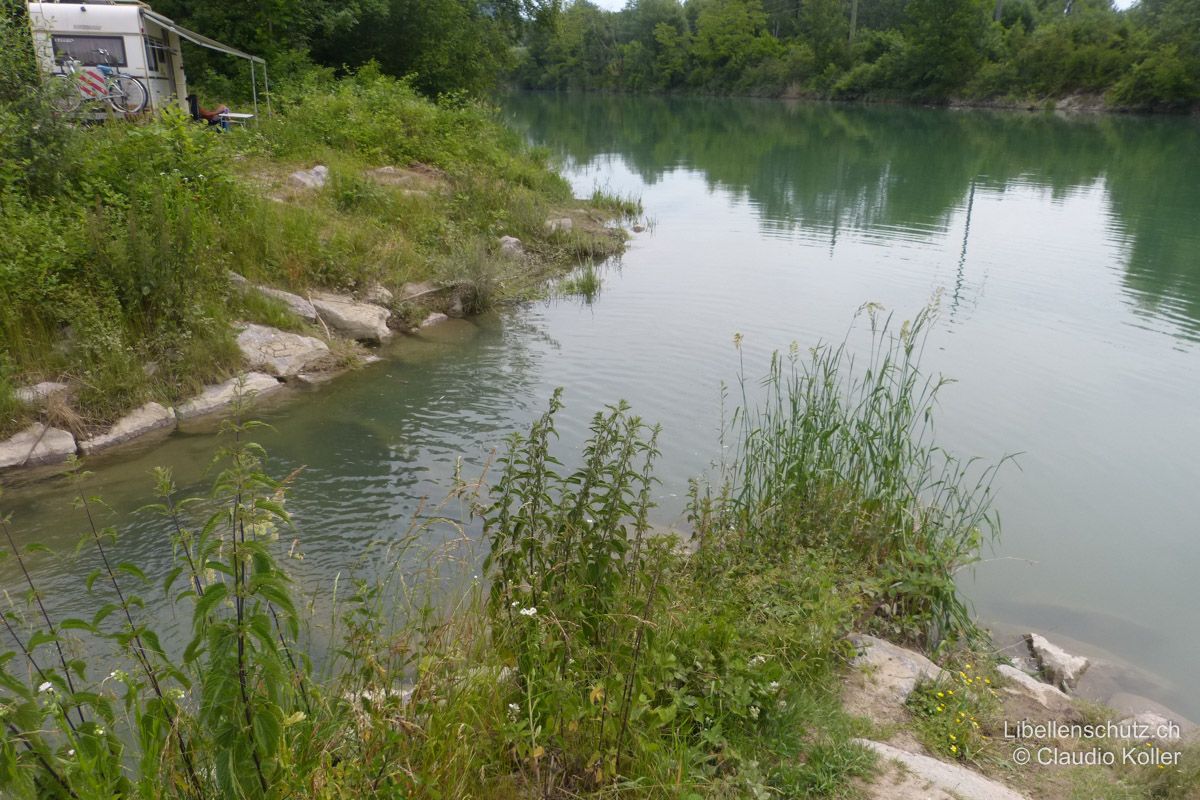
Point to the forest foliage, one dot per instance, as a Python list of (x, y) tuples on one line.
[(1144, 57), (913, 50)]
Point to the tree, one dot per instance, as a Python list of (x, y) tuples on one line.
[(946, 38), (730, 35), (825, 26), (448, 45)]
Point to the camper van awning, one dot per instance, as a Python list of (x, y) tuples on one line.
[(197, 38)]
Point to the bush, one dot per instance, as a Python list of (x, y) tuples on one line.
[(1084, 52), (1163, 79), (36, 142)]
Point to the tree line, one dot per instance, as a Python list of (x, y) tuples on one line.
[(925, 50), (910, 50), (445, 46)]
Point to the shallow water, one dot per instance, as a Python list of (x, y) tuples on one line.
[(1067, 254)]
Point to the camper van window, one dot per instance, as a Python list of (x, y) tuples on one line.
[(86, 50), (156, 55)]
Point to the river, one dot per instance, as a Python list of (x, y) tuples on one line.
[(1066, 252)]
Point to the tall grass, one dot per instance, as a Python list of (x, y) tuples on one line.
[(840, 453)]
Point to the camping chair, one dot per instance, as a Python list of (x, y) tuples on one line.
[(194, 109)]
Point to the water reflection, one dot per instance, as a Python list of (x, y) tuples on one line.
[(893, 173)]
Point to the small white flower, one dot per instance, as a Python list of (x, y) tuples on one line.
[(529, 612), (782, 706), (99, 731), (753, 712), (46, 687), (773, 686), (71, 752), (758, 660), (515, 604)]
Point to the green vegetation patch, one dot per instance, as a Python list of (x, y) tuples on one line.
[(117, 240)]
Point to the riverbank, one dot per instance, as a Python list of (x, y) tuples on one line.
[(121, 240), (587, 653)]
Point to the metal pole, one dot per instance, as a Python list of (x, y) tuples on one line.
[(267, 89), (254, 90)]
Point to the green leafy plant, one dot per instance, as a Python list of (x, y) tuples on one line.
[(840, 454), (952, 714)]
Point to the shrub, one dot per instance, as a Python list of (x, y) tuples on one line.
[(1084, 52), (1162, 79)]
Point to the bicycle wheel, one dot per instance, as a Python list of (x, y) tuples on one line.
[(64, 95), (128, 95)]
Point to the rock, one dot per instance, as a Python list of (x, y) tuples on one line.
[(1045, 695), (434, 319), (884, 678), (388, 175), (955, 780), (39, 393), (1133, 705), (511, 246), (456, 308), (279, 353), (639, 228), (314, 178), (366, 704), (563, 224), (221, 396), (298, 305), (147, 419), (1025, 664), (379, 295), (412, 291), (891, 781), (236, 279), (420, 178), (1057, 665), (362, 321), (316, 378), (1149, 726), (37, 445)]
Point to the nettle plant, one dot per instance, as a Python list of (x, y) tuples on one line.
[(576, 582), (222, 718)]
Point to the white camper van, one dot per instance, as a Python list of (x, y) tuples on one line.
[(125, 36)]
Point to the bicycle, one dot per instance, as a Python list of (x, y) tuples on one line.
[(77, 85)]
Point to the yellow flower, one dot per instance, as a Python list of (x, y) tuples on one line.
[(953, 738), (953, 748), (940, 694)]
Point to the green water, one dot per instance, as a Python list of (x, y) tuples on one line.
[(1067, 255)]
